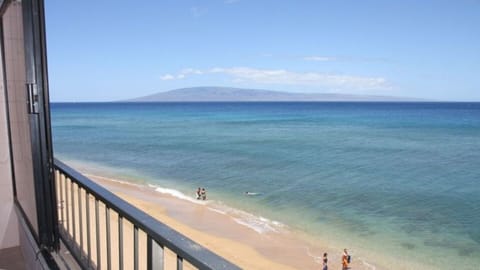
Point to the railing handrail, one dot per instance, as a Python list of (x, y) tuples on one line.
[(183, 246)]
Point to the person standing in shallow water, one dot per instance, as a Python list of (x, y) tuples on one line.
[(325, 261), (199, 193), (203, 194)]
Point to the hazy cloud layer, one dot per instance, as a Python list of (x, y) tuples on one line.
[(286, 77), (319, 58)]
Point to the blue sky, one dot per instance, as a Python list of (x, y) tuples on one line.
[(113, 50)]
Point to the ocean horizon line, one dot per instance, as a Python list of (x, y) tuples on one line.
[(253, 102)]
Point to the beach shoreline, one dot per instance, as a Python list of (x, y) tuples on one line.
[(221, 233), (210, 225)]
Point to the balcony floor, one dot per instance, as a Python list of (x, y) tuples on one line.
[(11, 259)]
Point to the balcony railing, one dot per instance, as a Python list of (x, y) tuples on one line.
[(102, 231)]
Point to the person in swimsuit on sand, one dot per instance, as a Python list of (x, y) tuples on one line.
[(345, 260), (325, 261)]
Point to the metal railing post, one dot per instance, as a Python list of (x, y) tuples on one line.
[(72, 197), (179, 263), (135, 247), (87, 209), (80, 219), (67, 228), (109, 248), (97, 232), (120, 242)]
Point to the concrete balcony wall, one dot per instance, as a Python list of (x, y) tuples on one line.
[(16, 95), (9, 236)]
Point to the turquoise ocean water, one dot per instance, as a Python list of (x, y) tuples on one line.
[(384, 179)]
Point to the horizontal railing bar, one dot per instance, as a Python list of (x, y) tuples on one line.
[(181, 245)]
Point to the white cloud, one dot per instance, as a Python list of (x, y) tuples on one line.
[(325, 81), (181, 75), (188, 71), (167, 77), (319, 58)]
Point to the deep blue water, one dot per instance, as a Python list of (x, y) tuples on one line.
[(386, 177)]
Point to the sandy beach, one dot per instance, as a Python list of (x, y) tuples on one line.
[(220, 233)]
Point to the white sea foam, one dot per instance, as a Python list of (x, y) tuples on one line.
[(257, 223), (370, 266), (278, 224), (217, 210), (259, 227), (177, 194), (316, 259)]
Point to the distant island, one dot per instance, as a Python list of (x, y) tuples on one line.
[(230, 94)]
